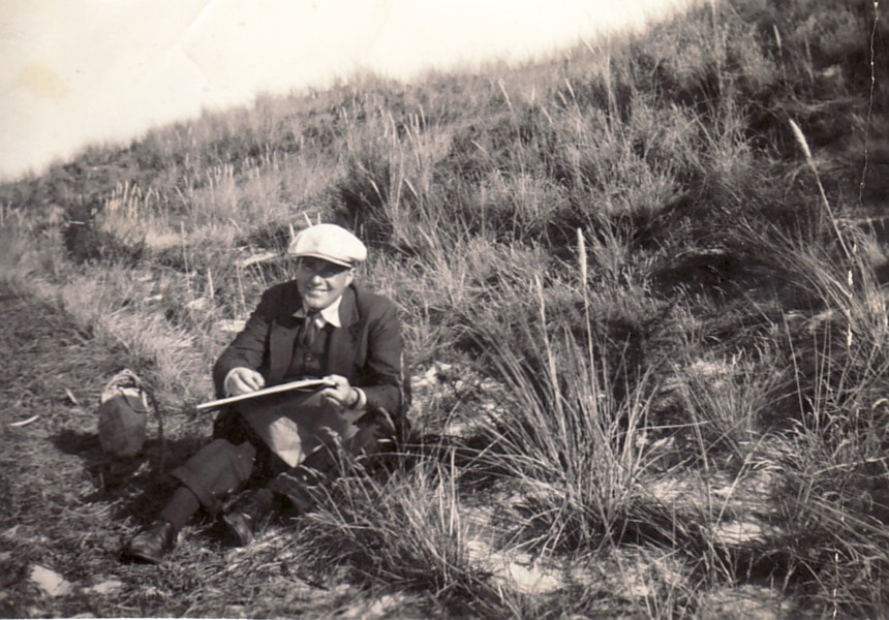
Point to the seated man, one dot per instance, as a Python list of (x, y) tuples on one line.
[(281, 447)]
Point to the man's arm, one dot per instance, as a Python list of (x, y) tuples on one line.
[(382, 375), (250, 348)]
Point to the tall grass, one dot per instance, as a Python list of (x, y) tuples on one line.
[(714, 320), (577, 465), (404, 535), (832, 462)]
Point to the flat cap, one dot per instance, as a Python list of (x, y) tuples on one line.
[(328, 242)]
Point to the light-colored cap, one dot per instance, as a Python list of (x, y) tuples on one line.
[(329, 242)]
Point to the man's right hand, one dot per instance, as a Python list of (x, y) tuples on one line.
[(243, 381)]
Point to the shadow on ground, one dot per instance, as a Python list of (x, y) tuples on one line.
[(143, 480)]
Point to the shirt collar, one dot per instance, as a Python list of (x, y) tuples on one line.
[(330, 314)]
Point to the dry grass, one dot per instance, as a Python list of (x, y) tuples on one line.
[(652, 355)]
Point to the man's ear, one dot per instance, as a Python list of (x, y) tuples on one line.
[(350, 277)]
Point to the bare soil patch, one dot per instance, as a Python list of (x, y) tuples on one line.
[(67, 509)]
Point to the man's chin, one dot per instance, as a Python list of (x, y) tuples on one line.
[(316, 303)]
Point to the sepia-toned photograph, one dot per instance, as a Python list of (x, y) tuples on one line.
[(383, 309)]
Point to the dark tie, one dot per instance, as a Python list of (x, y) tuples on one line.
[(309, 330)]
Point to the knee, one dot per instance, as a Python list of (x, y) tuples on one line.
[(216, 470)]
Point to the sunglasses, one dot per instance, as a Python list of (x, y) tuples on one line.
[(320, 267)]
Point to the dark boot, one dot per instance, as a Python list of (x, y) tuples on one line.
[(152, 544), (247, 514)]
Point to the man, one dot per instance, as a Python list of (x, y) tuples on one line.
[(321, 325)]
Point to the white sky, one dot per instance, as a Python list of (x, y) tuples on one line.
[(74, 72)]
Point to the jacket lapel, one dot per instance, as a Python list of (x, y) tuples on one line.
[(282, 336), (344, 340)]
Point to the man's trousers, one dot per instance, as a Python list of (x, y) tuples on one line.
[(238, 458)]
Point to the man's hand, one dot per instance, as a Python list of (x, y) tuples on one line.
[(243, 381), (342, 393)]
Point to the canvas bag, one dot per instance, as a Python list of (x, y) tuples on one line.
[(123, 415)]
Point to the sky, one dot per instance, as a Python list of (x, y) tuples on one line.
[(79, 72)]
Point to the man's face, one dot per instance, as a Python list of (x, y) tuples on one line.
[(321, 283)]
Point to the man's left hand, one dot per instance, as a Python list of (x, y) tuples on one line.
[(341, 393)]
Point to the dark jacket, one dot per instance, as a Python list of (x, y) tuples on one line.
[(367, 349)]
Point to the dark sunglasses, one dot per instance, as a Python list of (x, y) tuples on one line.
[(321, 267)]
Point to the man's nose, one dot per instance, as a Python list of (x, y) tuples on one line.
[(317, 279)]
